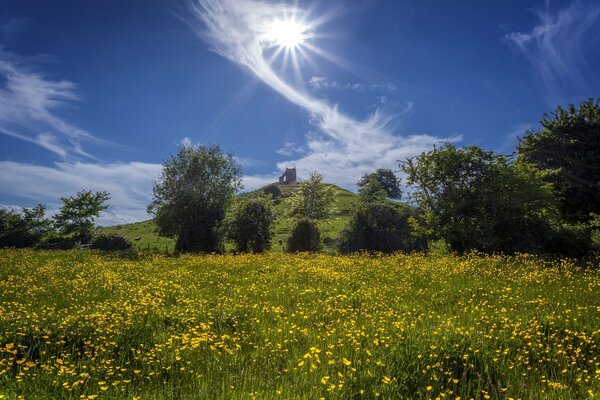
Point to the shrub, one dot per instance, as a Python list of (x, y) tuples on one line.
[(110, 242), (275, 193), (380, 226), (58, 243), (305, 237), (249, 225)]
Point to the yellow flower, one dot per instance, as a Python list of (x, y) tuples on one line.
[(324, 379), (346, 361), (429, 388)]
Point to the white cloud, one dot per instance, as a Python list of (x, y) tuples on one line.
[(320, 83), (29, 109), (129, 184), (290, 149), (345, 147), (556, 47)]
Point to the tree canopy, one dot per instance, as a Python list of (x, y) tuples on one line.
[(313, 200), (382, 179), (78, 213), (480, 200), (568, 149), (249, 225), (191, 197)]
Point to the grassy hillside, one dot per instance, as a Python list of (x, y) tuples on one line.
[(81, 325), (149, 238)]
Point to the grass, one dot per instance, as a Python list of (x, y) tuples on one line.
[(79, 324), (330, 228)]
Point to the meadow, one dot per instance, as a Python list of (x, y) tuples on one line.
[(84, 325)]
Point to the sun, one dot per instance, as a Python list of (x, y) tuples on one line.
[(286, 33)]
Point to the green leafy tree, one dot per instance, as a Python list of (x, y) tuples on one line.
[(36, 221), (13, 230), (77, 215), (191, 197), (312, 201), (388, 182), (380, 226), (568, 149), (305, 236), (479, 200), (250, 223)]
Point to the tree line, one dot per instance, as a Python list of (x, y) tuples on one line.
[(543, 198)]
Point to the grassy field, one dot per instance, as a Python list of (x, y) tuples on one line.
[(83, 325), (330, 228)]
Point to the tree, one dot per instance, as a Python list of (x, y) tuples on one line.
[(568, 149), (190, 199), (381, 226), (37, 223), (250, 223), (479, 200), (387, 181), (76, 216), (312, 201), (305, 236)]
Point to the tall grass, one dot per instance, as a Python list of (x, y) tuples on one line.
[(83, 325)]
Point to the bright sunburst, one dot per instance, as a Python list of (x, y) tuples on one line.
[(286, 33)]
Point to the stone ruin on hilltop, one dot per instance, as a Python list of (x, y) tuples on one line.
[(289, 176)]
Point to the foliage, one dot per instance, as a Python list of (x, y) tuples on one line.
[(313, 201), (305, 236), (23, 229), (479, 200), (250, 224), (387, 180), (274, 191), (58, 243), (76, 216), (110, 242), (81, 325), (568, 148), (381, 226), (192, 195)]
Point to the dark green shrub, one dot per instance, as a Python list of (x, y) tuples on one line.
[(305, 237), (275, 193), (58, 243), (381, 226), (110, 242), (249, 225)]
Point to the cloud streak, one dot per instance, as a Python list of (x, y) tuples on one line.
[(321, 83), (557, 45), (344, 147), (29, 106)]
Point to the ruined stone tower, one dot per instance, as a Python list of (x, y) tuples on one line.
[(289, 176)]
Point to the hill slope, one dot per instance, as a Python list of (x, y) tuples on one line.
[(149, 239)]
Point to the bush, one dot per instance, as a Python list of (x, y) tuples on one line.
[(381, 226), (110, 242), (58, 243), (275, 193), (249, 225), (305, 237)]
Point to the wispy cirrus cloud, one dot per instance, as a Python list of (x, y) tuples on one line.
[(30, 106), (557, 46), (344, 147), (321, 83)]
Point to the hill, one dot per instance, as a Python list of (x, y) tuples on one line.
[(149, 239)]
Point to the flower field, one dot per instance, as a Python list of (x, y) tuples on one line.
[(84, 325)]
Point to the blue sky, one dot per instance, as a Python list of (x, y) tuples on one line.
[(96, 94)]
